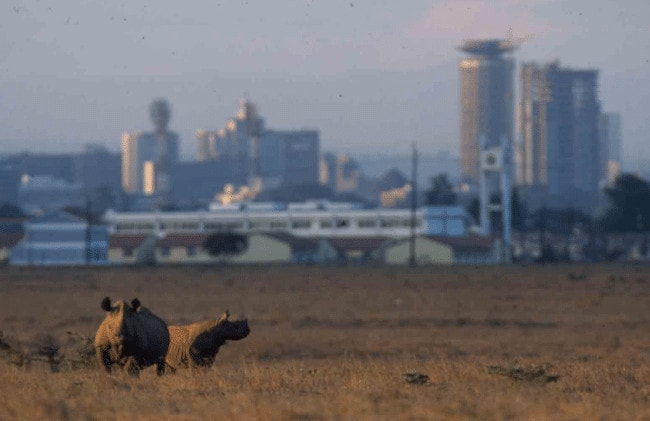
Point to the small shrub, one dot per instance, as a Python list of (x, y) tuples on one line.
[(414, 377), (534, 374)]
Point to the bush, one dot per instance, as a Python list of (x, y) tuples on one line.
[(225, 244)]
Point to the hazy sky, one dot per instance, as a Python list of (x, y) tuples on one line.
[(370, 75)]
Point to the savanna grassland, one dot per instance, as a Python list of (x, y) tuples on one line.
[(534, 342)]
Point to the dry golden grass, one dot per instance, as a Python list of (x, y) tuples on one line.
[(335, 343)]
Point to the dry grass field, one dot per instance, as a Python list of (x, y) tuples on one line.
[(534, 342)]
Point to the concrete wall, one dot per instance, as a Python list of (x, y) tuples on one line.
[(264, 249), (261, 249), (426, 252)]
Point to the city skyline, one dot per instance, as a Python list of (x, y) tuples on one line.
[(364, 75)]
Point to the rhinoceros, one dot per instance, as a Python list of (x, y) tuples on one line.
[(197, 344), (132, 337)]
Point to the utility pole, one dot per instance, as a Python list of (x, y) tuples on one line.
[(88, 231), (414, 205), (506, 199), (29, 243)]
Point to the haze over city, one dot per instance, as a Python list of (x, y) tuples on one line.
[(370, 76)]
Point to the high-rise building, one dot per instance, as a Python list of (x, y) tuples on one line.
[(531, 152), (205, 145), (252, 152), (97, 167), (197, 182), (237, 142), (60, 166), (559, 112), (154, 151), (9, 183), (610, 146), (340, 172), (238, 137), (290, 157), (486, 93)]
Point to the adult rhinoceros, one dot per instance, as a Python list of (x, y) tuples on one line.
[(132, 337), (197, 344)]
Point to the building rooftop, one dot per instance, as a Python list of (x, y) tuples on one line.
[(488, 47)]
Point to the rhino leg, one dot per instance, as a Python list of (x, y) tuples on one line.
[(103, 358), (132, 367), (160, 367)]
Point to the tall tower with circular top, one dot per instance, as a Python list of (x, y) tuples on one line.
[(487, 100)]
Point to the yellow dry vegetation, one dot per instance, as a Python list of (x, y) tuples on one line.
[(336, 342)]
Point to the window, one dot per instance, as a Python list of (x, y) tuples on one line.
[(124, 227), (301, 224), (164, 251), (213, 226), (389, 223), (193, 226), (127, 252), (234, 225), (278, 224), (191, 251), (326, 223), (367, 223), (342, 223)]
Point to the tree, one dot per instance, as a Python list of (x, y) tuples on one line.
[(225, 243), (558, 221), (441, 191), (474, 209), (519, 211), (629, 208)]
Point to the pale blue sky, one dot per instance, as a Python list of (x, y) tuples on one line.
[(368, 74)]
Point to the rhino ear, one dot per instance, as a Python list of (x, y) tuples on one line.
[(224, 317), (106, 304), (135, 303)]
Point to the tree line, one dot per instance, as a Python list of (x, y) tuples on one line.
[(628, 208)]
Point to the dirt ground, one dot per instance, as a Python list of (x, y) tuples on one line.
[(460, 342)]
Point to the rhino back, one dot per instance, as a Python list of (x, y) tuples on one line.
[(151, 335), (180, 339)]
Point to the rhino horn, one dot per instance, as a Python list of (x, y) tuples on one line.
[(224, 317), (106, 304)]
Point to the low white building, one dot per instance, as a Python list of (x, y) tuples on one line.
[(316, 219), (310, 232)]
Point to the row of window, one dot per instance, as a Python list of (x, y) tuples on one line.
[(339, 223)]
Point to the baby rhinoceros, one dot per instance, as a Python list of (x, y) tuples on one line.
[(131, 337), (197, 344)]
